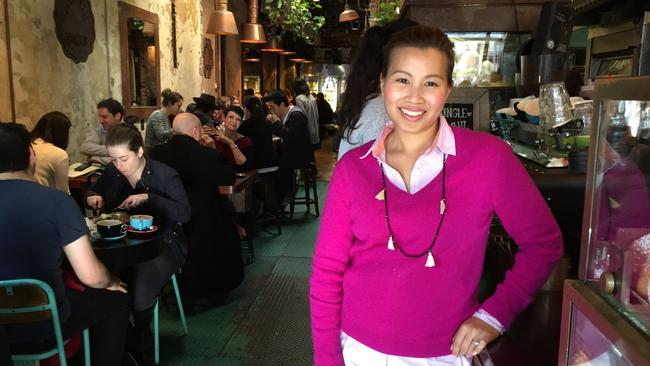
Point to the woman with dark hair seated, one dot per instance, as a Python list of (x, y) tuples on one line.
[(49, 141), (260, 131), (138, 185), (235, 147)]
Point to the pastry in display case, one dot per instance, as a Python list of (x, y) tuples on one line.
[(606, 312)]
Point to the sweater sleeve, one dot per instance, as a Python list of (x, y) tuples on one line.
[(530, 223), (161, 128), (329, 263), (60, 166)]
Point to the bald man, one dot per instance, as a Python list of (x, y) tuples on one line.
[(214, 264)]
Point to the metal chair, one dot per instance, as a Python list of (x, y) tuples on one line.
[(156, 325), (30, 300)]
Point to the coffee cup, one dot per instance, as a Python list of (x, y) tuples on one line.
[(141, 222), (111, 228)]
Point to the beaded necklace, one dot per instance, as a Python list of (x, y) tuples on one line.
[(392, 241)]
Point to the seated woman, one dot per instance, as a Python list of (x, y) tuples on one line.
[(159, 126), (235, 147), (139, 185), (260, 131), (49, 141)]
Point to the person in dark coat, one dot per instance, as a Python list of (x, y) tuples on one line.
[(292, 126), (214, 262), (139, 185), (260, 131), (325, 112)]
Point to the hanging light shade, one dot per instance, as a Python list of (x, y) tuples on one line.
[(253, 32), (289, 45), (348, 14), (253, 56), (222, 21), (273, 45)]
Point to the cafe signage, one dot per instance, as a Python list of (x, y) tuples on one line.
[(75, 28), (459, 114)]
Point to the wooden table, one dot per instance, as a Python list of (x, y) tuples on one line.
[(241, 183)]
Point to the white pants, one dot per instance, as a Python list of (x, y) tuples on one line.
[(356, 353)]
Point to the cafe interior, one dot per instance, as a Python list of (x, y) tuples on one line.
[(215, 250)]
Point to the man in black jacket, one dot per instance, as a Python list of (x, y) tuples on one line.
[(292, 126), (214, 264)]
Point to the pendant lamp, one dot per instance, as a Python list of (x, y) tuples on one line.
[(222, 21), (253, 32), (272, 45), (348, 14), (253, 55)]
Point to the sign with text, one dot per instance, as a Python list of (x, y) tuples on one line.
[(459, 114)]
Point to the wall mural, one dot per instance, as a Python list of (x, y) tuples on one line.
[(75, 28)]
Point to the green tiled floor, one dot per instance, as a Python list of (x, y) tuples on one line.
[(266, 320)]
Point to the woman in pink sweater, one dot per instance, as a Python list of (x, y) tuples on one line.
[(402, 239)]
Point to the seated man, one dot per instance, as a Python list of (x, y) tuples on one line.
[(38, 225), (296, 150), (214, 263), (110, 113)]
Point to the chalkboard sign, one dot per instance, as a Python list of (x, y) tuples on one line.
[(459, 114)]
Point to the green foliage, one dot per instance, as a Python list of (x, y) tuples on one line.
[(386, 13), (295, 16)]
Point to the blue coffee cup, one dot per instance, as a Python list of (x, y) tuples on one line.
[(141, 222)]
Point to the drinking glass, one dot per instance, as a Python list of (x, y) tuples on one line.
[(554, 105)]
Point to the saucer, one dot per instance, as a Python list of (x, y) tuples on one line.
[(97, 235), (152, 229)]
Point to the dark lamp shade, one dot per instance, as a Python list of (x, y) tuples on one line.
[(253, 33), (222, 22), (273, 45)]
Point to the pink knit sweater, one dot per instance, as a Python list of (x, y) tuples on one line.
[(396, 305)]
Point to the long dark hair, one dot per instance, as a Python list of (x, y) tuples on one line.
[(362, 82), (53, 127), (254, 105)]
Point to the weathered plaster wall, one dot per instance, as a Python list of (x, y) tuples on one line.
[(46, 80)]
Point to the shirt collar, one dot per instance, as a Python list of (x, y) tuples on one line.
[(444, 141)]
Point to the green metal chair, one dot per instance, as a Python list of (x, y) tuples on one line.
[(156, 325), (27, 301)]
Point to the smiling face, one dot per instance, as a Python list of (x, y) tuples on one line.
[(126, 161), (232, 121), (415, 88), (107, 119)]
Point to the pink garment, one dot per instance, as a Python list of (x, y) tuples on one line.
[(395, 304)]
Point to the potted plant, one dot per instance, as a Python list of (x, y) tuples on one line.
[(295, 16)]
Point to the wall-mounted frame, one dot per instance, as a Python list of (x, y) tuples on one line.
[(140, 70)]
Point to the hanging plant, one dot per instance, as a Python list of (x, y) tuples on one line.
[(295, 16), (387, 11)]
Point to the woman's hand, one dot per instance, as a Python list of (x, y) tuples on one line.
[(221, 137), (472, 336), (95, 202), (116, 285), (206, 140), (134, 200), (207, 130)]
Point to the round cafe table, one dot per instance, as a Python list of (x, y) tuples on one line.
[(129, 250)]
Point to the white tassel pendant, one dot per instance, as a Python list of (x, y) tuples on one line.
[(430, 261), (391, 246), (380, 196)]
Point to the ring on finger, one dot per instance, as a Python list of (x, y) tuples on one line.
[(476, 342)]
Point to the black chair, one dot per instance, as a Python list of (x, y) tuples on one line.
[(308, 177)]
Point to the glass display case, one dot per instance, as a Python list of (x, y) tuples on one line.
[(606, 313), (486, 58)]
